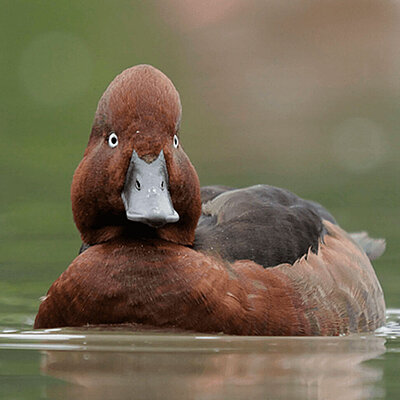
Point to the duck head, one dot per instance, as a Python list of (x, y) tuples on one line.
[(135, 177)]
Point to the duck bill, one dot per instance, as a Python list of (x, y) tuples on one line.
[(145, 195)]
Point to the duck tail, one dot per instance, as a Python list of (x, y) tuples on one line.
[(374, 248)]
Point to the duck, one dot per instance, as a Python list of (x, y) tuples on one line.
[(159, 252)]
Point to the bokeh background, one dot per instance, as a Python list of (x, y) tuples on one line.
[(303, 95)]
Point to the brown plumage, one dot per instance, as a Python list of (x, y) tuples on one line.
[(173, 276)]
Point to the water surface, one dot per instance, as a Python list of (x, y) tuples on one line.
[(103, 364)]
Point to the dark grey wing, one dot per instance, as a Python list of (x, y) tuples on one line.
[(261, 223), (320, 210)]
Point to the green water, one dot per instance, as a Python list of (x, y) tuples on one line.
[(96, 364), (56, 60)]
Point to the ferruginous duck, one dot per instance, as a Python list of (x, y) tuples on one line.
[(161, 252)]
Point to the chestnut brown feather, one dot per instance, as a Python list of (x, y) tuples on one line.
[(175, 286)]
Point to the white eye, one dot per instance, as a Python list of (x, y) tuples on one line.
[(113, 140), (176, 141)]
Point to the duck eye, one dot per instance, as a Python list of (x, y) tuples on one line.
[(176, 141), (113, 140)]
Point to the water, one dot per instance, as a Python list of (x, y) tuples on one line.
[(98, 364)]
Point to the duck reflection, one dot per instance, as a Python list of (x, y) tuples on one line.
[(283, 368)]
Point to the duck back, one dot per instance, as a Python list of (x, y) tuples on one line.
[(264, 224)]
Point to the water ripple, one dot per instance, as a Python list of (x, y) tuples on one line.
[(391, 330)]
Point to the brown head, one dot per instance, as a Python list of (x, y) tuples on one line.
[(135, 177)]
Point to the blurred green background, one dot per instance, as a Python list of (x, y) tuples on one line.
[(302, 95)]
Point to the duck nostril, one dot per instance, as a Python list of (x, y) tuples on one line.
[(137, 185), (162, 185)]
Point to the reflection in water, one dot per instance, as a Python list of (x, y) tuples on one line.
[(275, 368)]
